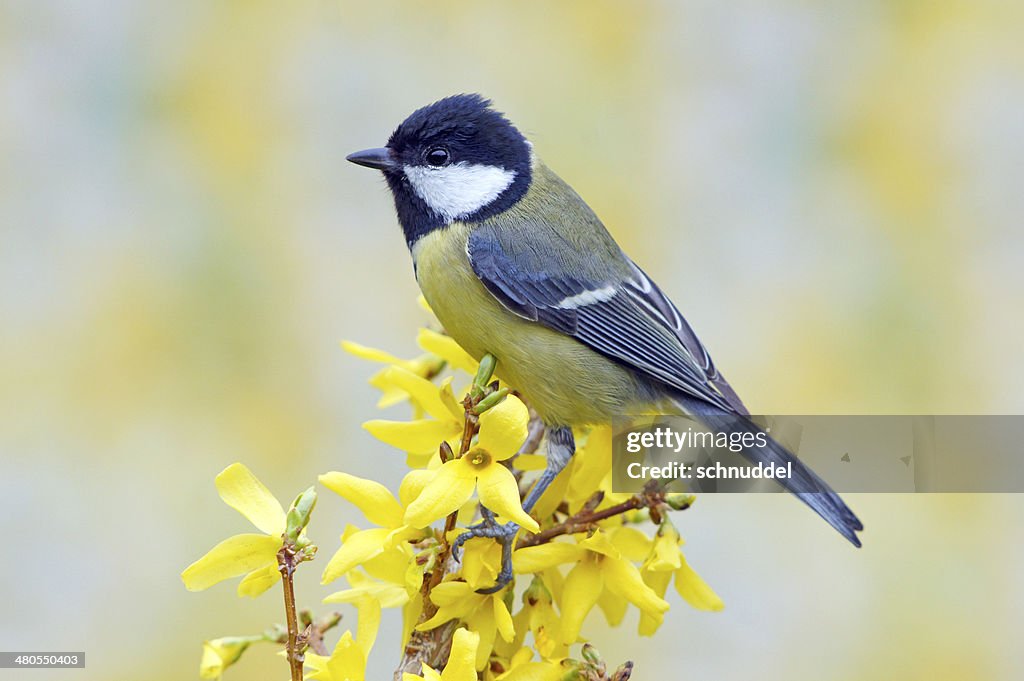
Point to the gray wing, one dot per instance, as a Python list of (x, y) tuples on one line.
[(617, 311)]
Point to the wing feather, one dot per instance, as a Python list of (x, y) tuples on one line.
[(624, 317)]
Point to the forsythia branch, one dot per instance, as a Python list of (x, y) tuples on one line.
[(582, 545), (587, 517), (432, 646), (296, 643)]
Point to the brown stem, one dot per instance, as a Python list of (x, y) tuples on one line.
[(429, 647), (286, 564), (315, 638), (651, 497), (581, 522), (468, 431)]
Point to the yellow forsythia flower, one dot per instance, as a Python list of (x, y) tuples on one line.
[(390, 594), (481, 562), (666, 561), (423, 366), (384, 543), (421, 436), (255, 554), (593, 466), (503, 429), (538, 616), (521, 668), (599, 565), (346, 663), (447, 349)]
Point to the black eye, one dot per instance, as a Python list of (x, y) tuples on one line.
[(437, 157)]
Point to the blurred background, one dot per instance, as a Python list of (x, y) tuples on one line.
[(831, 192)]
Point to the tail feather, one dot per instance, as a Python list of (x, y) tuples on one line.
[(804, 483)]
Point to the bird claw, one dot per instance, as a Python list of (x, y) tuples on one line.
[(491, 529), (504, 577)]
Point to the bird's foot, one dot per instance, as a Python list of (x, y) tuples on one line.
[(490, 528)]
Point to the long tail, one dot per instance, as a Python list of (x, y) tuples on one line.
[(804, 483)]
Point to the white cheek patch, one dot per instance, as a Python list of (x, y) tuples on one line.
[(460, 189)]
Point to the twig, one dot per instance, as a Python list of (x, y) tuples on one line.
[(580, 522), (587, 517), (317, 628), (286, 564)]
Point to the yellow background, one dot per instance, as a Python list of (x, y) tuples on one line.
[(831, 192)]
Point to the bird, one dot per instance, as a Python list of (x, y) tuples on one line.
[(515, 264)]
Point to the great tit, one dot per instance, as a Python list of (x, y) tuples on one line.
[(515, 264)]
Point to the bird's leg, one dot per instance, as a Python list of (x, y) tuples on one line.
[(489, 527), (561, 447)]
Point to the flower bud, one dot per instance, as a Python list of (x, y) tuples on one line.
[(298, 515), (490, 401), (484, 373)]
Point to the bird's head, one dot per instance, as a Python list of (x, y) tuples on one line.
[(456, 159)]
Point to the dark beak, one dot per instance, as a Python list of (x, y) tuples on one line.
[(380, 159)]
